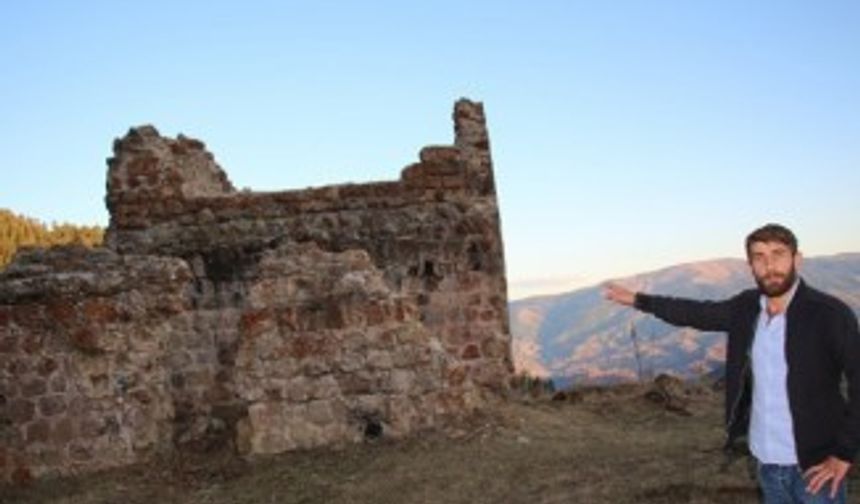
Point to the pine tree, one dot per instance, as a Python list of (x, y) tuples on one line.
[(17, 231)]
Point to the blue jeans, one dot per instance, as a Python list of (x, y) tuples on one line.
[(784, 484)]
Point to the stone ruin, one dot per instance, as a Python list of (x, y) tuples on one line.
[(265, 322)]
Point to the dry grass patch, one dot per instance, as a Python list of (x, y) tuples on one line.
[(613, 445)]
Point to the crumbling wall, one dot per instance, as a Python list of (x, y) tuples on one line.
[(329, 353), (83, 376), (310, 317)]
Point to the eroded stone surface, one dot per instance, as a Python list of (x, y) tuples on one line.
[(82, 381)]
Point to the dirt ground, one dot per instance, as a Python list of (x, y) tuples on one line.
[(603, 446)]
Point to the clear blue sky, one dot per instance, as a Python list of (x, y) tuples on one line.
[(627, 135)]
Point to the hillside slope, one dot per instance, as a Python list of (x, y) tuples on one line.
[(579, 337)]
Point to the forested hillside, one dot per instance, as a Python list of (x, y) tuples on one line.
[(17, 231)]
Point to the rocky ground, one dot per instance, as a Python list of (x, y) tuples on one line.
[(631, 444)]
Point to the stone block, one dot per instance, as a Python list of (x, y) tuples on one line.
[(18, 367), (91, 426), (32, 343), (428, 381), (320, 413), (62, 312), (494, 347), (316, 366), (255, 322), (244, 437), (34, 387), (141, 396), (490, 375), (52, 405), (380, 359), (299, 389), (384, 339), (349, 362), (21, 411), (80, 452), (270, 442), (57, 384), (98, 385), (85, 339), (456, 376), (265, 416), (22, 475), (29, 316), (64, 431), (374, 314), (8, 344), (367, 404), (404, 356), (99, 311), (8, 391), (402, 380), (324, 387), (303, 434), (47, 366), (358, 383), (411, 334), (38, 431), (471, 352)]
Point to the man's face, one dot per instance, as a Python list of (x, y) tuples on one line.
[(774, 267)]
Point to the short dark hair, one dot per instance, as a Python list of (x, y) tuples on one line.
[(772, 233)]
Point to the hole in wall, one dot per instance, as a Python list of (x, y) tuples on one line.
[(373, 428)]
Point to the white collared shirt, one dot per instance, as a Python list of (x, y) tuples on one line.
[(771, 434)]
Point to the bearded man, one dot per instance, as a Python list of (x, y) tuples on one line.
[(789, 348)]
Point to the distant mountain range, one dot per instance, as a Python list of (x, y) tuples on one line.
[(579, 337)]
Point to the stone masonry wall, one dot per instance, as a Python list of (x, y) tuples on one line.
[(299, 318), (335, 355), (83, 339)]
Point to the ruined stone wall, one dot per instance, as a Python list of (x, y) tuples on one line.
[(309, 317), (329, 350), (83, 376)]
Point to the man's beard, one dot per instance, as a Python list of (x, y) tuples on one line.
[(775, 285)]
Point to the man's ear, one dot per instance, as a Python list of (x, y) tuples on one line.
[(798, 260)]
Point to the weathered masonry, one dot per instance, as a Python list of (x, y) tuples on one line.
[(272, 321)]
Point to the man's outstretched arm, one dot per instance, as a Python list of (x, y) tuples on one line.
[(703, 315)]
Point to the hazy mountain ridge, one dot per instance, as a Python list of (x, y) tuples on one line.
[(580, 337)]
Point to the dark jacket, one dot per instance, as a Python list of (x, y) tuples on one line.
[(822, 344)]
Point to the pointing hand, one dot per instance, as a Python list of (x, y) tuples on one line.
[(619, 294)]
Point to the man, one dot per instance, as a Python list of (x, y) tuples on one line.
[(789, 347)]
